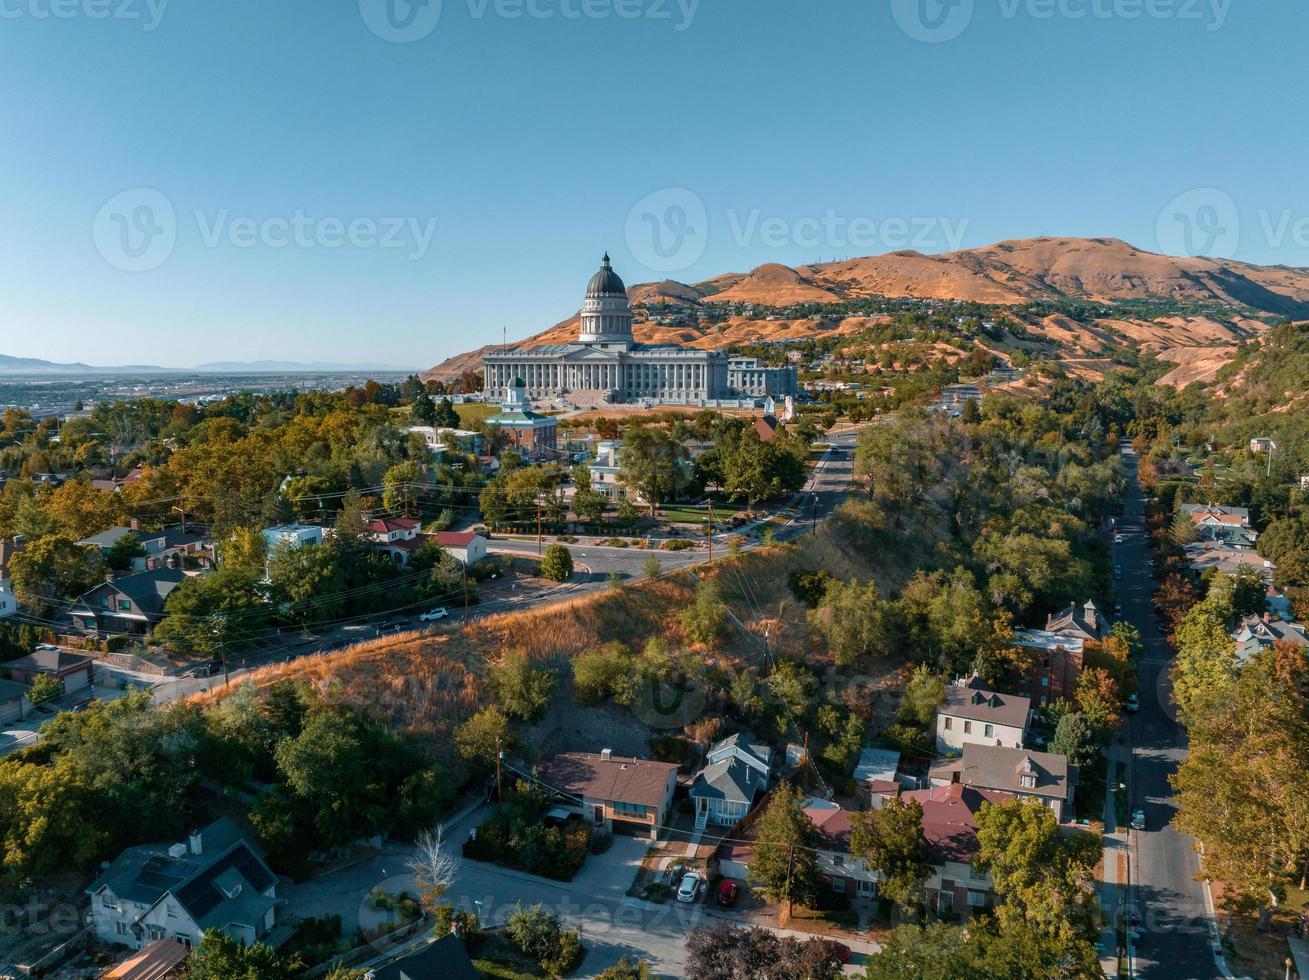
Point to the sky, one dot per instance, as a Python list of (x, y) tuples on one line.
[(184, 181)]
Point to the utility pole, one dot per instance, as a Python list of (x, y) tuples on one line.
[(465, 593), (499, 789), (711, 531), (813, 515), (538, 527)]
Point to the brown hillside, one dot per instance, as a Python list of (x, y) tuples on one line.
[(1095, 269)]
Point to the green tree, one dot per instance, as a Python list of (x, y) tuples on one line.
[(557, 563), (854, 621), (754, 470), (1045, 880), (523, 689), (224, 610), (44, 688), (447, 417), (625, 969), (654, 465), (220, 957), (1076, 738), (653, 568), (705, 620), (328, 767), (923, 694), (603, 674), (402, 487), (54, 567), (309, 580), (1205, 664), (784, 867), (482, 736), (891, 841)]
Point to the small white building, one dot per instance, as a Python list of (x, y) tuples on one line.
[(971, 713), (293, 535), (466, 547)]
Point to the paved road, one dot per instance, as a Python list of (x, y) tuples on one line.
[(1174, 941)]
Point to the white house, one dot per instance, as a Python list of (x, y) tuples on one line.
[(971, 713), (293, 535), (8, 601), (735, 772), (215, 880), (466, 547)]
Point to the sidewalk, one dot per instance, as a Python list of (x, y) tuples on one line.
[(1113, 885)]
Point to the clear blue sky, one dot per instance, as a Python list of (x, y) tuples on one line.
[(530, 140)]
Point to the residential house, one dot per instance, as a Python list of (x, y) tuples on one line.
[(1229, 525), (876, 773), (171, 547), (465, 547), (1257, 633), (972, 713), (398, 537), (291, 536), (1053, 668), (73, 670), (1042, 776), (621, 794), (842, 872), (1201, 556), (439, 439), (443, 959), (766, 427), (1082, 622), (604, 469), (130, 605), (215, 880), (735, 773), (950, 827), (1262, 444), (8, 600)]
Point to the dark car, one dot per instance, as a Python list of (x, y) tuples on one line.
[(392, 625), (728, 892)]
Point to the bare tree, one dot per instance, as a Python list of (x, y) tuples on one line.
[(434, 865)]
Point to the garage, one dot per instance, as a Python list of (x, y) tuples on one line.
[(78, 680)]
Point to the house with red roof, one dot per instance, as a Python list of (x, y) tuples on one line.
[(400, 537), (950, 826)]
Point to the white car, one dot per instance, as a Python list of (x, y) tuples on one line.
[(689, 890), (431, 616), (1118, 539), (1133, 703)]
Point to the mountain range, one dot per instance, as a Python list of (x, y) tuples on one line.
[(1229, 301), (36, 366)]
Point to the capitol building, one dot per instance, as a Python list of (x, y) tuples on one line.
[(606, 364)]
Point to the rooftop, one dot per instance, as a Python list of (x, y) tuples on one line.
[(999, 768), (50, 662), (950, 818), (973, 700), (618, 778)]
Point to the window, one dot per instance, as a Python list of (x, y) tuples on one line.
[(949, 723), (124, 605), (108, 902), (977, 900), (945, 901), (630, 809), (968, 727), (838, 884), (990, 731), (120, 928), (1028, 781), (838, 860)]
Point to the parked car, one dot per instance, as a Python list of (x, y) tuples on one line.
[(392, 625), (432, 615), (728, 893), (1118, 539), (1138, 820), (1133, 703), (689, 890), (1118, 608), (840, 950), (1118, 571)]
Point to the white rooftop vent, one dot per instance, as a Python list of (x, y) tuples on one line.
[(606, 754), (177, 851)]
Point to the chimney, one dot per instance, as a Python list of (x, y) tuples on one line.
[(606, 754), (197, 842), (134, 524)]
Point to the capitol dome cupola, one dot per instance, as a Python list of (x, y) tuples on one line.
[(606, 315)]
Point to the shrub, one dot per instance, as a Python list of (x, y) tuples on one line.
[(557, 564), (567, 955), (44, 688), (677, 544), (809, 586)]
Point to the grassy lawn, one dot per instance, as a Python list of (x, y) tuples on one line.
[(1254, 953), (471, 412), (498, 959), (685, 515)]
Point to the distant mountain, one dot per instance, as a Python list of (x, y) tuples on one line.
[(1006, 274), (33, 365), (291, 367), (36, 366)]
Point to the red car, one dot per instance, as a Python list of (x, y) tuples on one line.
[(840, 950), (728, 892)]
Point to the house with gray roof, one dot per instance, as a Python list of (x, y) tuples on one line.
[(1077, 622), (1257, 633), (129, 605), (973, 713), (216, 879), (736, 771), (169, 547), (1043, 776)]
